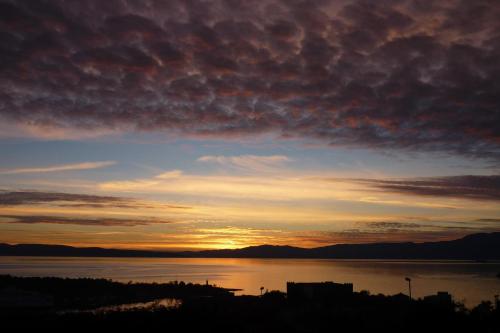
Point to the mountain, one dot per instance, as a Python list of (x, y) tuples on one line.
[(483, 246), (69, 251)]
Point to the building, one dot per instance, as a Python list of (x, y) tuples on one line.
[(441, 299), (318, 291)]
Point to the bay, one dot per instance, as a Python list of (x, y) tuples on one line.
[(469, 282)]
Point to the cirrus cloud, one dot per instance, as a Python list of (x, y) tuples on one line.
[(60, 168), (247, 162)]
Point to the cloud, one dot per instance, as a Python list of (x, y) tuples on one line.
[(489, 220), (408, 75), (247, 162), (14, 198), (275, 186), (170, 174), (104, 222), (76, 200), (268, 187), (33, 207), (463, 187), (393, 225), (59, 168), (356, 236), (213, 235), (237, 237)]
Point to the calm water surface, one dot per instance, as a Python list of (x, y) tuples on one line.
[(168, 303), (467, 281)]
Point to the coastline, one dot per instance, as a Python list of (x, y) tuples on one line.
[(57, 303)]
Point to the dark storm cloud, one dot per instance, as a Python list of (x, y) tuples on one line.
[(414, 75), (104, 222), (464, 187)]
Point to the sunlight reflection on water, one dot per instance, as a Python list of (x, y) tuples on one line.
[(167, 303), (467, 281)]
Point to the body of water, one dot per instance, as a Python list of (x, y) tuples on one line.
[(470, 282), (168, 303)]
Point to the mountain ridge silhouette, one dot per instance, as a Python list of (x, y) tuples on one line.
[(480, 246)]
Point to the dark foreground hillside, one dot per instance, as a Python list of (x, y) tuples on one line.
[(211, 309)]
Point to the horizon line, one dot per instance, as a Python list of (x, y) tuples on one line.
[(242, 248)]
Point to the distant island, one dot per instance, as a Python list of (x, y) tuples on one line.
[(481, 246)]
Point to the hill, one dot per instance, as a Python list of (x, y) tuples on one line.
[(483, 246)]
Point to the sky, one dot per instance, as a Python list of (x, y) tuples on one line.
[(223, 124)]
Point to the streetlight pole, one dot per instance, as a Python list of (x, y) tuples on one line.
[(409, 285)]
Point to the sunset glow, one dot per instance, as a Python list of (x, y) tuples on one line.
[(220, 124)]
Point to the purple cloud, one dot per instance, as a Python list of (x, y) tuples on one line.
[(103, 222), (464, 187), (412, 75), (13, 198)]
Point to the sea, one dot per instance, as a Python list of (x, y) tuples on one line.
[(469, 282)]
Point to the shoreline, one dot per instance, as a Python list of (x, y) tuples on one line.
[(214, 309)]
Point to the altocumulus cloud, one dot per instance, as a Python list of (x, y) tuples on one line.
[(411, 74)]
